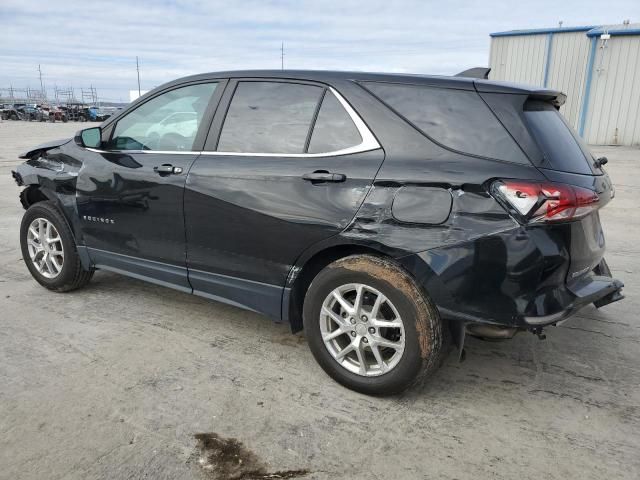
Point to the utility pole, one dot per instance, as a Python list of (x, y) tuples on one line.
[(138, 70), (282, 56), (41, 84)]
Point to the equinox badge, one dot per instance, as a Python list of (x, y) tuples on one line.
[(98, 219)]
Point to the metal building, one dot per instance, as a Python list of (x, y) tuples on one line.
[(598, 67)]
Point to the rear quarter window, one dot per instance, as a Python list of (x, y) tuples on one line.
[(334, 130), (456, 119)]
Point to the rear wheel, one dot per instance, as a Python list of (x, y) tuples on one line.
[(49, 249), (370, 327)]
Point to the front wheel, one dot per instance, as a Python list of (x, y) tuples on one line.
[(49, 249), (370, 327)]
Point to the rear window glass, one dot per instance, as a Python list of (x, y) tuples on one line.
[(457, 119), (562, 148), (269, 117)]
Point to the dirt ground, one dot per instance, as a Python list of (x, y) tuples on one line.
[(116, 381)]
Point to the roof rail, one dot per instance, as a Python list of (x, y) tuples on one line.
[(475, 72)]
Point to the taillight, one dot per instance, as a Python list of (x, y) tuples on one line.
[(544, 201)]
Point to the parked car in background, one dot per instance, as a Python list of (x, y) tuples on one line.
[(92, 114), (8, 112), (95, 114), (25, 112), (77, 112), (56, 114), (42, 113), (32, 112), (102, 115), (383, 214)]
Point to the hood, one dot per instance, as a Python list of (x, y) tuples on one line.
[(44, 147)]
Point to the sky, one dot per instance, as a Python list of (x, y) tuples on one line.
[(82, 43)]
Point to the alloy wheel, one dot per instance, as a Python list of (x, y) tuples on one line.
[(45, 248), (362, 329)]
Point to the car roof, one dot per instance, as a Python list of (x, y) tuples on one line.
[(328, 76)]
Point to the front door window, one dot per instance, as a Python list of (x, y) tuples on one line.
[(168, 122)]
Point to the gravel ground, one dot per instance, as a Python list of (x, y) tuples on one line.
[(115, 381)]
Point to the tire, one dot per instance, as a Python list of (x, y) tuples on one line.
[(420, 334), (71, 275)]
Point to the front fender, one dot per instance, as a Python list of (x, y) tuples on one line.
[(52, 174)]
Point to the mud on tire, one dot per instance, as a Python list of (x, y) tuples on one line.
[(423, 336)]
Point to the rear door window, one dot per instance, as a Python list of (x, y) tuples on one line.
[(334, 130), (269, 117), (562, 148), (456, 119)]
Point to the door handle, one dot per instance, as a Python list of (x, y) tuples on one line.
[(324, 176), (167, 169)]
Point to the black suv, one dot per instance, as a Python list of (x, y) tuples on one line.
[(384, 214)]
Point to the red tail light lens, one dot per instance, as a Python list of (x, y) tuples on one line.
[(536, 202)]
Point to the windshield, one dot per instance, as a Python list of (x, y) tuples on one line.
[(563, 149)]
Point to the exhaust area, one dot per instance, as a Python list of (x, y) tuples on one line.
[(494, 332)]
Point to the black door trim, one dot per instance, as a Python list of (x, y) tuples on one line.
[(160, 273), (247, 294)]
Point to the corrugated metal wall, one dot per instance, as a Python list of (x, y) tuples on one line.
[(613, 110), (569, 53), (518, 58), (613, 114)]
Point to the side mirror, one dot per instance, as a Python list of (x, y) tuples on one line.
[(89, 137)]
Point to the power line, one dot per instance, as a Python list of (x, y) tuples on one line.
[(138, 70), (41, 84)]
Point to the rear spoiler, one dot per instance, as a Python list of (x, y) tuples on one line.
[(557, 100), (475, 72), (555, 97)]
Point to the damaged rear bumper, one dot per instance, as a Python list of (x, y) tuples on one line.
[(597, 289), (516, 278)]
